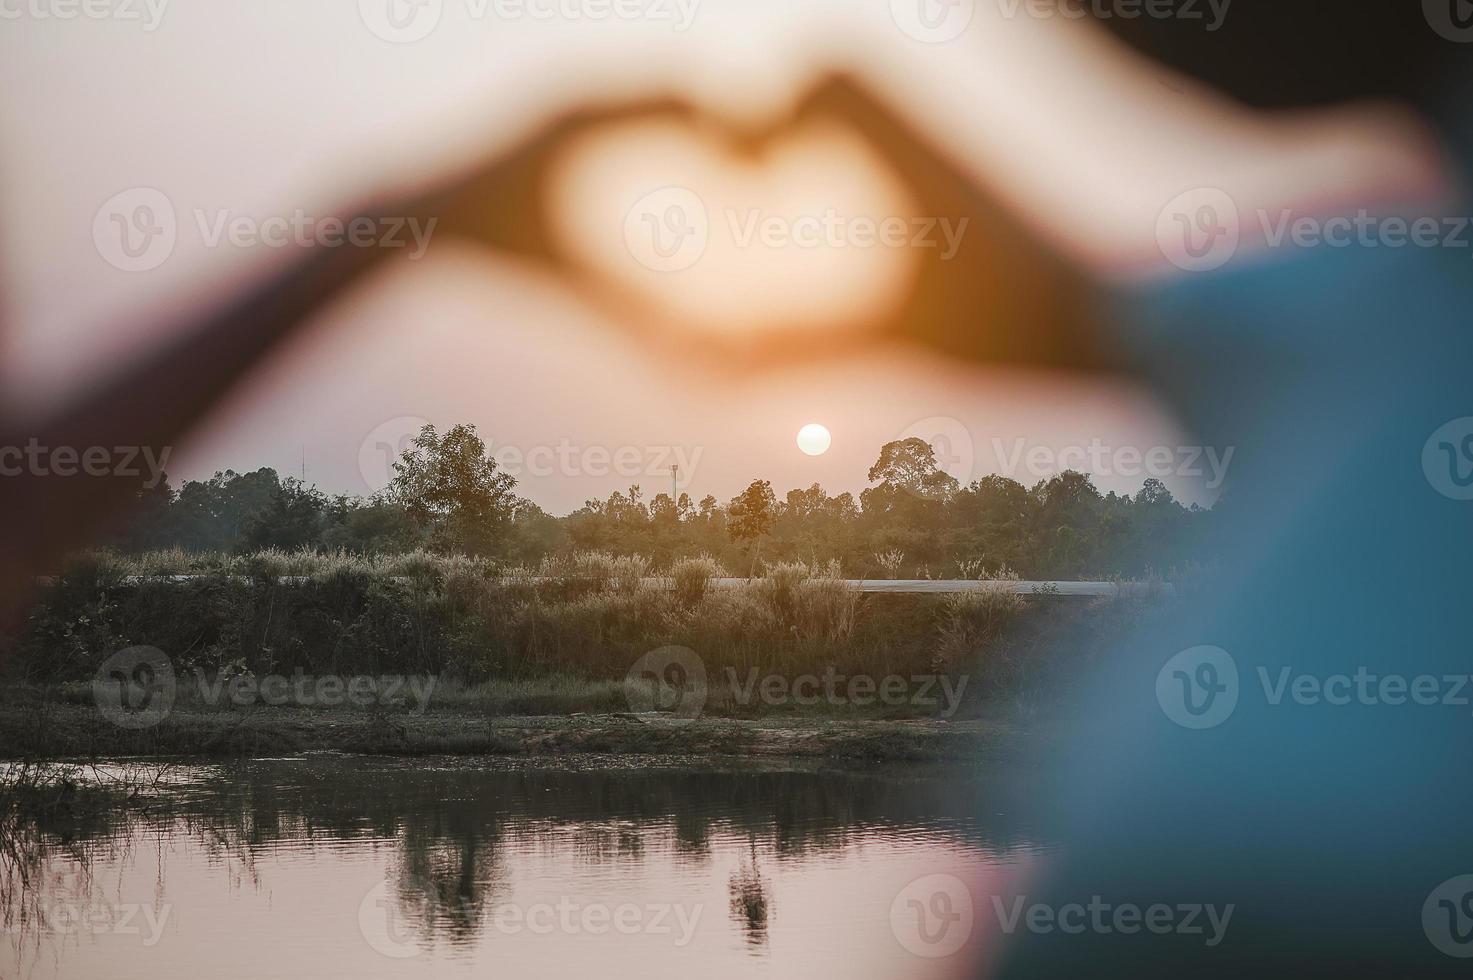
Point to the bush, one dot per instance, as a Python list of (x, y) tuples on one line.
[(692, 578), (594, 568), (629, 572)]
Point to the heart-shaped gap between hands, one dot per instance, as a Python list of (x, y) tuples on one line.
[(811, 233)]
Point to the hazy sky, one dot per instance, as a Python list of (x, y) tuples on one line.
[(266, 108), (582, 411)]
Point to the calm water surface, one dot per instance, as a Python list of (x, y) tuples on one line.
[(332, 866)]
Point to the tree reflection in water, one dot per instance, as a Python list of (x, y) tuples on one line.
[(750, 903), (448, 825)]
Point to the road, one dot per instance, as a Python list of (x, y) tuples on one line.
[(1063, 590)]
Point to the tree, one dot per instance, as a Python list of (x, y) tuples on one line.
[(803, 504), (450, 488), (906, 469), (749, 517), (293, 518), (1069, 498), (376, 525), (213, 514), (1154, 493), (751, 513), (906, 511), (534, 534), (663, 510), (995, 500), (150, 522)]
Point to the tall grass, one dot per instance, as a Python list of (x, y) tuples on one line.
[(274, 562), (692, 577), (588, 617), (629, 571)]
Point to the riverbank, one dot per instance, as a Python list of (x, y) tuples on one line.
[(792, 664), (56, 728)]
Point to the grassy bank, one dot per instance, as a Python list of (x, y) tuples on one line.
[(491, 659), (590, 618), (44, 726)]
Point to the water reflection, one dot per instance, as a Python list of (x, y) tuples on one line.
[(336, 866), (750, 903)]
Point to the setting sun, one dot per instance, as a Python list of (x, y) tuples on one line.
[(814, 439)]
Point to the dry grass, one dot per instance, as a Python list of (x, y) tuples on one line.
[(544, 634), (692, 578), (306, 563)]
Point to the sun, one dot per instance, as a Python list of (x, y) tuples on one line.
[(814, 439)]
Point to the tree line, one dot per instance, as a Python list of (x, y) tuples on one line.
[(448, 495)]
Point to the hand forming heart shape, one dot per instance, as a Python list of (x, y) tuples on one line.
[(831, 221)]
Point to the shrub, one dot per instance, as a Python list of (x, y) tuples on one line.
[(778, 588), (629, 572), (890, 561), (692, 577), (972, 621), (593, 568)]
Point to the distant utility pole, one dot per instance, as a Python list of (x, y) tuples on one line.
[(674, 487)]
